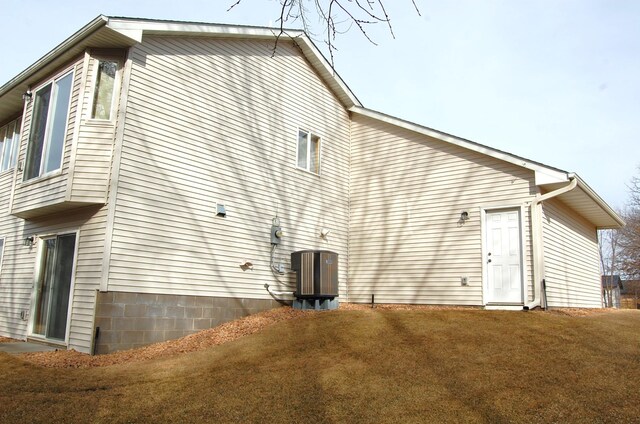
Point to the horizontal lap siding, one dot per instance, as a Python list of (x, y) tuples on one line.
[(17, 273), (91, 223), (572, 261), (93, 150), (92, 163), (216, 120), (407, 193), (15, 286), (49, 190)]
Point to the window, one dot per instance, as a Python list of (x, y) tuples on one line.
[(308, 151), (48, 127), (9, 141), (104, 90)]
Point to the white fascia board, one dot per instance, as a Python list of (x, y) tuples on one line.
[(543, 176), (598, 200), (142, 26), (136, 28), (543, 173), (325, 69), (59, 49)]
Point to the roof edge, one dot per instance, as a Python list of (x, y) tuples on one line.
[(137, 28), (582, 185), (549, 172), (98, 22)]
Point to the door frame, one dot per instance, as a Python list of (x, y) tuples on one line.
[(37, 270), (485, 269)]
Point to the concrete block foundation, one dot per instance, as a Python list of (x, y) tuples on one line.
[(130, 320)]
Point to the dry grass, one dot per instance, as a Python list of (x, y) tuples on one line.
[(361, 365)]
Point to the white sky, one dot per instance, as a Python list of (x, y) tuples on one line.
[(555, 81)]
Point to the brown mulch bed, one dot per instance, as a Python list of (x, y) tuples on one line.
[(7, 340), (221, 334), (212, 337)]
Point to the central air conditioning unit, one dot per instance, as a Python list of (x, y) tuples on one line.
[(316, 279)]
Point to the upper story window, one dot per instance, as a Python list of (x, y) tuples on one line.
[(308, 151), (9, 141), (104, 90), (48, 127)]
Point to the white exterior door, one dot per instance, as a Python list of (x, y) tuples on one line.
[(503, 257)]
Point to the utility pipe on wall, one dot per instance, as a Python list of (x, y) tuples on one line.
[(537, 238), (278, 293)]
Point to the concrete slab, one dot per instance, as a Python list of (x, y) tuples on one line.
[(15, 348)]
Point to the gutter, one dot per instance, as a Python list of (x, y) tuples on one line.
[(536, 239)]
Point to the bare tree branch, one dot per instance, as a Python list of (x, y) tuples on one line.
[(336, 16)]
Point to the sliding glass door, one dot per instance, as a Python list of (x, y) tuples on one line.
[(53, 286)]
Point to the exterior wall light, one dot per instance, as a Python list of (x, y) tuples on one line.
[(464, 216), (29, 241), (26, 96)]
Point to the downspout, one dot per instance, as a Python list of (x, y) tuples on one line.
[(536, 239)]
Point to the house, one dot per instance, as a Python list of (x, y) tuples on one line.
[(611, 289), (630, 294), (145, 162)]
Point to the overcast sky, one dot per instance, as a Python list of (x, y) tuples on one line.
[(555, 81)]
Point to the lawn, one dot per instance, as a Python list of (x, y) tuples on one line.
[(361, 366)]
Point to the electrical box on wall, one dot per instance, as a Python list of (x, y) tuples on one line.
[(276, 234), (464, 281)]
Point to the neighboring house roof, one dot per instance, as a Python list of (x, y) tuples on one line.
[(111, 32), (611, 281)]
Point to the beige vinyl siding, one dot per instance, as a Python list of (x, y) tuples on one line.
[(86, 165), (18, 268), (215, 120), (407, 244), (571, 258), (91, 225), (93, 150), (42, 192), (15, 286)]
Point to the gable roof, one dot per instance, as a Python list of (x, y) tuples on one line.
[(122, 32), (583, 198)]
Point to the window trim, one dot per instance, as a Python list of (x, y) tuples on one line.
[(310, 135), (41, 175), (15, 144), (38, 269), (96, 59)]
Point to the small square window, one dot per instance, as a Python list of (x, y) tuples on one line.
[(308, 151)]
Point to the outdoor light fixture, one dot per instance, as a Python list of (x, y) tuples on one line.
[(26, 96), (464, 216), (28, 241)]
